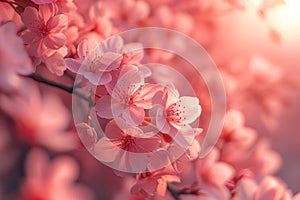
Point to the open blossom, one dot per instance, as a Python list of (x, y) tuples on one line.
[(151, 183), (45, 29), (11, 46), (97, 60), (175, 114), (129, 97), (52, 180), (125, 148), (95, 63)]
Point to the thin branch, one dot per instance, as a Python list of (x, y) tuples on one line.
[(68, 89), (69, 75), (174, 193)]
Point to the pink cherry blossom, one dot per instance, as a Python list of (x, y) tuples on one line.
[(236, 136), (151, 183), (264, 161), (129, 97), (125, 148), (94, 62), (270, 188), (52, 180), (37, 119), (212, 176), (97, 60), (45, 29), (175, 115), (11, 68)]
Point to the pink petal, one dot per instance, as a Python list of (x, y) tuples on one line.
[(55, 40), (64, 169), (185, 136), (105, 151), (37, 48), (72, 64), (31, 19), (133, 52), (86, 47), (104, 107), (191, 108), (87, 134), (46, 12), (246, 189), (39, 2), (98, 78), (134, 115), (158, 160), (30, 37), (144, 95), (113, 44), (57, 23), (161, 121), (171, 95), (56, 64), (138, 162), (110, 61), (220, 173)]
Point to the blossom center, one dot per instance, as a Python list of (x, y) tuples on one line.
[(174, 113)]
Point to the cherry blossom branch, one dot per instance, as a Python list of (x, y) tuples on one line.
[(68, 89)]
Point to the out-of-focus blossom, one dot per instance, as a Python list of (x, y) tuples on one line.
[(264, 86), (264, 161), (212, 176), (236, 136), (240, 4), (52, 179), (270, 188), (40, 119), (11, 68), (66, 6)]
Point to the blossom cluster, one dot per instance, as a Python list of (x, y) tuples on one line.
[(87, 113)]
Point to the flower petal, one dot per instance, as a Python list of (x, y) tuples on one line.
[(55, 40), (191, 107), (134, 115), (72, 64), (57, 23), (104, 107), (31, 19), (106, 151)]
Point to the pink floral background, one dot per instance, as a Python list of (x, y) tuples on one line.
[(140, 130)]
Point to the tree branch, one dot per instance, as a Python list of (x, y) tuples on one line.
[(68, 89)]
